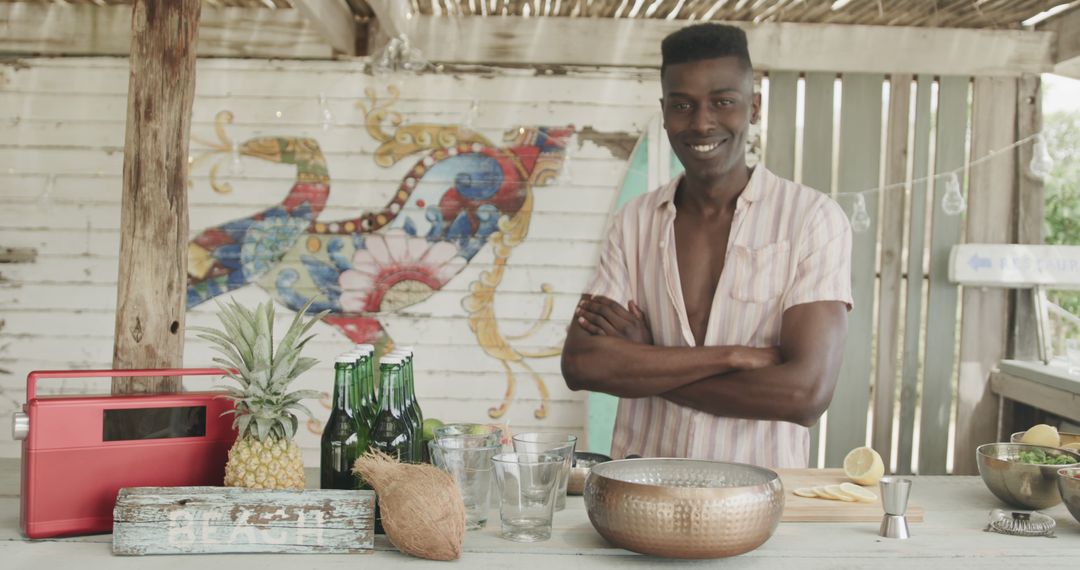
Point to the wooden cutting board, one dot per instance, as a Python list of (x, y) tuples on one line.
[(802, 509)]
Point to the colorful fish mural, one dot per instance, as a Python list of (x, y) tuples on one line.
[(471, 193)]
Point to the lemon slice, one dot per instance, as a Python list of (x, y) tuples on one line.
[(863, 465), (1042, 434), (1072, 446), (825, 492), (807, 492), (858, 493), (837, 491)]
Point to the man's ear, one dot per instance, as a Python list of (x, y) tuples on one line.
[(755, 108)]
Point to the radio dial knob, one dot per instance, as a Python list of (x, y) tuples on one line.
[(20, 425)]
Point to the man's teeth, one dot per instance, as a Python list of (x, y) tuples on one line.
[(704, 147)]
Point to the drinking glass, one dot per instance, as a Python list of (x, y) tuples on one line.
[(560, 444), (527, 485), (471, 469)]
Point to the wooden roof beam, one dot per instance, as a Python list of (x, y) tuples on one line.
[(1067, 47), (335, 20), (87, 30), (788, 46)]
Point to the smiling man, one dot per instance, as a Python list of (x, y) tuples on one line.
[(719, 311)]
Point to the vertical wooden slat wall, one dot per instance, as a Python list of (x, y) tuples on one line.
[(890, 288), (919, 356), (913, 307), (1029, 212), (984, 325), (783, 92), (817, 158), (860, 159), (952, 122)]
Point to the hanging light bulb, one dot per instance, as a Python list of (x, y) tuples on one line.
[(397, 56), (327, 115), (469, 121), (952, 201), (860, 218), (236, 166), (565, 175), (1041, 163), (44, 200)]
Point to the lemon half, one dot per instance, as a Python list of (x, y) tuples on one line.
[(863, 465), (1042, 434)]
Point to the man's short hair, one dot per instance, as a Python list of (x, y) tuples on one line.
[(704, 41)]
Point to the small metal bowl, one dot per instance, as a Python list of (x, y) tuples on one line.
[(579, 471), (1066, 437), (1069, 487), (1022, 485), (684, 508)]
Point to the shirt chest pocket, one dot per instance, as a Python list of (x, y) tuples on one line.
[(760, 274)]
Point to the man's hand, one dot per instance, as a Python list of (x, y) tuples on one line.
[(602, 316)]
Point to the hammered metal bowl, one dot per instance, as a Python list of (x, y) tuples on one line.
[(684, 508), (1066, 437), (1069, 486), (1022, 485)]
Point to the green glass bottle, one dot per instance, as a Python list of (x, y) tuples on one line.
[(392, 434), (412, 406), (363, 407), (343, 438), (369, 378)]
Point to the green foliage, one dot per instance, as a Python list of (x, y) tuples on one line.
[(1062, 132)]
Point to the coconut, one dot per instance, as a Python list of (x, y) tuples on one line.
[(422, 510)]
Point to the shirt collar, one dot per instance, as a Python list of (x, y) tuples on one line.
[(755, 188)]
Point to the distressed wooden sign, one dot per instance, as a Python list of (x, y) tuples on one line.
[(217, 520)]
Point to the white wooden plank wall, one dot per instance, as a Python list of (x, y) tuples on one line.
[(61, 151)]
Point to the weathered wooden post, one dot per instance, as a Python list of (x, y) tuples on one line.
[(152, 280)]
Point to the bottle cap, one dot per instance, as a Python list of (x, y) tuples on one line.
[(345, 359), (390, 359)]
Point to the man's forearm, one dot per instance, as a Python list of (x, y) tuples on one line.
[(790, 391), (630, 370)]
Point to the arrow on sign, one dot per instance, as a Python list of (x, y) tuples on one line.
[(978, 263)]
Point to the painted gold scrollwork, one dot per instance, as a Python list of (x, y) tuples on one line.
[(480, 304), (376, 112), (218, 151), (407, 140)]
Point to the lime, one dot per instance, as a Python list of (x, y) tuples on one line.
[(479, 429), (429, 427)]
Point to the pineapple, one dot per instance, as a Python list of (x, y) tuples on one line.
[(264, 455)]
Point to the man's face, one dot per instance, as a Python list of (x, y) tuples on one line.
[(708, 107)]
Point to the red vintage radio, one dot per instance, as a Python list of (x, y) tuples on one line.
[(78, 451)]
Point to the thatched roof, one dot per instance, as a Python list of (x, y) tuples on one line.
[(987, 14)]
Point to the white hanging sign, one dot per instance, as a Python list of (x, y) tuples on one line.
[(1015, 266)]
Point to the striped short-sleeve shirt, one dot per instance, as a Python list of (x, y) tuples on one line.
[(789, 244)]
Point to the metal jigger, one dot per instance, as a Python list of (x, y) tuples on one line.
[(894, 498)]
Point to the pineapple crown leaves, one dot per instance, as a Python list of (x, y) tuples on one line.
[(263, 407)]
